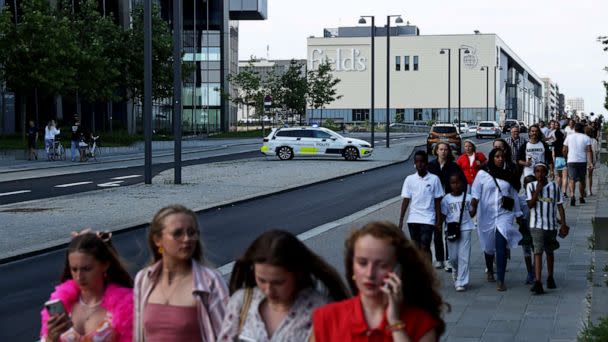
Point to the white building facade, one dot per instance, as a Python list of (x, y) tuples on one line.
[(576, 103), (550, 98), (494, 82)]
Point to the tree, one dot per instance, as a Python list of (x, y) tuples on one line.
[(604, 41), (322, 87), (295, 87), (249, 90)]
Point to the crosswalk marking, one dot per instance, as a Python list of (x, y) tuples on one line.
[(72, 184), (126, 177), (15, 192)]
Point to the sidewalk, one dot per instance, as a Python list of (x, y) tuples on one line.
[(484, 314)]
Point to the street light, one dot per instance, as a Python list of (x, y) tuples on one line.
[(487, 69), (388, 70), (373, 35), (466, 51), (442, 51), (496, 67)]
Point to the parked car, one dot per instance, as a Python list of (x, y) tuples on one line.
[(472, 129), (522, 127), (463, 128), (488, 128), (506, 127), (286, 143), (444, 132)]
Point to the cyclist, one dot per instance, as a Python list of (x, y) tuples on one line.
[(50, 131)]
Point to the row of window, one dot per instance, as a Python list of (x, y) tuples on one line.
[(406, 63), (304, 134)]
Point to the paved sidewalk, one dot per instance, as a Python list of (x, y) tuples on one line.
[(484, 314)]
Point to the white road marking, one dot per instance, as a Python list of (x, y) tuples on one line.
[(110, 184), (15, 192), (126, 177), (72, 184)]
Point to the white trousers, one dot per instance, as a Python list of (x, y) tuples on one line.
[(460, 253)]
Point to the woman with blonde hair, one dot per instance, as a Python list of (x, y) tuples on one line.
[(396, 292), (275, 287), (177, 298), (471, 161)]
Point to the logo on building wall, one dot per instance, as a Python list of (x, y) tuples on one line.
[(339, 59), (470, 60)]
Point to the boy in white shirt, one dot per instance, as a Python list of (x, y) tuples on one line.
[(424, 191), (459, 249)]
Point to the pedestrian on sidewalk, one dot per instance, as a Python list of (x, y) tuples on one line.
[(534, 151), (424, 191), (276, 285), (494, 197), (524, 230), (455, 208), (32, 140), (544, 197), (50, 131), (559, 159), (96, 294), (396, 293), (515, 142), (443, 166), (471, 161), (590, 132), (177, 298), (577, 148), (75, 138)]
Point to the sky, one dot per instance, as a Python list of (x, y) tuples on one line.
[(556, 38)]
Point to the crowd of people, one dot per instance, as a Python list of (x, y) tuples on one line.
[(280, 290)]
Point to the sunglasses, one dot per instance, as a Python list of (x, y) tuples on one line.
[(179, 234)]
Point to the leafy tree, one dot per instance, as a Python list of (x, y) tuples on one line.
[(322, 87), (249, 90), (604, 41), (295, 87)]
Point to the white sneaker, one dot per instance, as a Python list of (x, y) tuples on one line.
[(448, 266), (438, 264), (460, 289)]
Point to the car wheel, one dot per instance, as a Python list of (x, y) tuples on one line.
[(285, 153), (351, 153)]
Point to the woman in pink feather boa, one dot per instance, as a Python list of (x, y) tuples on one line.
[(96, 292)]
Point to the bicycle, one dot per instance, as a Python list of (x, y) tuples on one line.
[(92, 151), (56, 151)]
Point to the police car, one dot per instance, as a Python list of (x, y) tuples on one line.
[(287, 143)]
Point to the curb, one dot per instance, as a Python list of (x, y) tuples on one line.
[(136, 226)]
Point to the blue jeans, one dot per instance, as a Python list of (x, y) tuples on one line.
[(501, 256), (74, 148)]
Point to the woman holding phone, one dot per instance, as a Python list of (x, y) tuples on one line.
[(396, 292), (94, 301)]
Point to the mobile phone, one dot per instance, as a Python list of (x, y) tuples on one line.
[(54, 307), (397, 271)]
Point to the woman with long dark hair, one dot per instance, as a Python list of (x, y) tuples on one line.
[(396, 291), (275, 288), (95, 292), (495, 197), (177, 298)]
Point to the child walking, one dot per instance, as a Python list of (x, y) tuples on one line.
[(524, 229), (460, 248)]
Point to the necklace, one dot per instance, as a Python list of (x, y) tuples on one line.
[(172, 284), (90, 309)]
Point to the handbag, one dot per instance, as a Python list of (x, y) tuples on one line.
[(506, 202), (248, 296), (454, 227)]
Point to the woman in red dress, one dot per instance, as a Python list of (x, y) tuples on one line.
[(396, 292)]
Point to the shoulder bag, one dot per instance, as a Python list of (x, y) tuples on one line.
[(506, 202), (454, 227)]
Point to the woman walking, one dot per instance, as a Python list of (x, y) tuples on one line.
[(471, 161)]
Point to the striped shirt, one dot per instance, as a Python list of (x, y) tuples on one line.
[(209, 290), (544, 213)]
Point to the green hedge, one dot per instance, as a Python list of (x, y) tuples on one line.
[(595, 333)]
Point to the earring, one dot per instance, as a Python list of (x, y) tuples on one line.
[(354, 278), (160, 250)]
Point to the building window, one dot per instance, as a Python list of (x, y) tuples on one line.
[(415, 62), (435, 114), (417, 114), (360, 115), (406, 63), (397, 63)]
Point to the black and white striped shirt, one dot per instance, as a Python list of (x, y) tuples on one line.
[(544, 213)]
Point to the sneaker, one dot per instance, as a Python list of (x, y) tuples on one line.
[(551, 283), (438, 264), (448, 266), (500, 286), (582, 200), (460, 288), (573, 202), (530, 278), (537, 288), (490, 277)]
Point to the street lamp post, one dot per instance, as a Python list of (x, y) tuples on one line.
[(487, 69), (466, 51), (388, 71), (496, 67), (373, 35), (442, 51)]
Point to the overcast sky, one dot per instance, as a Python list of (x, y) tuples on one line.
[(556, 38)]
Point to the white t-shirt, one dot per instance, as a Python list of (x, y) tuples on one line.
[(568, 130), (577, 144), (535, 153), (545, 130), (422, 192), (450, 207)]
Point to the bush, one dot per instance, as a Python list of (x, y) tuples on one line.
[(595, 333)]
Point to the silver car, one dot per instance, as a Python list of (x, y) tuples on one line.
[(488, 129)]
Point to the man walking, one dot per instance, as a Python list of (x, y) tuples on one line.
[(577, 149), (533, 152), (515, 141), (424, 191)]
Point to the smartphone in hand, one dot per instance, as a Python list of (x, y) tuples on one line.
[(397, 271), (54, 307)]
